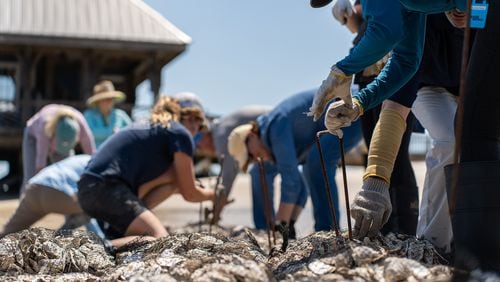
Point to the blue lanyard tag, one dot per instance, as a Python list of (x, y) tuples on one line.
[(479, 11)]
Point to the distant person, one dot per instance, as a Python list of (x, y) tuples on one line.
[(51, 135), (284, 139), (135, 170), (102, 116), (53, 190), (213, 143), (192, 112)]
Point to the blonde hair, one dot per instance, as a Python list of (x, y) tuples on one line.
[(165, 110), (51, 124)]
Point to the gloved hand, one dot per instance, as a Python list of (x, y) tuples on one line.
[(371, 207), (336, 85), (339, 114), (342, 10)]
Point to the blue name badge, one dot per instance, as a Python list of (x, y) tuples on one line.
[(478, 14)]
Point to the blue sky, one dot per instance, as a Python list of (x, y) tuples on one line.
[(251, 52)]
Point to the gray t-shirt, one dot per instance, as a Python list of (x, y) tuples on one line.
[(220, 132)]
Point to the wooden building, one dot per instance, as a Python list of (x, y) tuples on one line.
[(54, 51)]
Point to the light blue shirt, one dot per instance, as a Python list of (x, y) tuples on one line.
[(63, 175), (103, 127)]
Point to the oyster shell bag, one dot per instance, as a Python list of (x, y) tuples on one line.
[(476, 219)]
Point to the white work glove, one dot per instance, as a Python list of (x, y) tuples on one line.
[(371, 207), (342, 10), (336, 85), (340, 114)]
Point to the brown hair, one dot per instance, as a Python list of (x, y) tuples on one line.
[(165, 110)]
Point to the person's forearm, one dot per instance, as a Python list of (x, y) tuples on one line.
[(386, 140), (198, 195)]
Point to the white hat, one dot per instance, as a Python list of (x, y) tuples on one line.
[(237, 147)]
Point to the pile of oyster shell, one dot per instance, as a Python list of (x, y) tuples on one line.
[(236, 254)]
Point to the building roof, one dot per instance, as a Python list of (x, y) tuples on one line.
[(88, 22)]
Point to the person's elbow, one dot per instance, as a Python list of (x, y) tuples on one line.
[(409, 62), (388, 34)]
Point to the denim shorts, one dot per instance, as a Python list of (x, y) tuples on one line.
[(111, 201)]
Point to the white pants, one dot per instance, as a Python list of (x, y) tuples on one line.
[(435, 108)]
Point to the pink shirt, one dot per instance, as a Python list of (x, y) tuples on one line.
[(44, 144)]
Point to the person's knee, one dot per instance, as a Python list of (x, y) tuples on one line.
[(146, 224)]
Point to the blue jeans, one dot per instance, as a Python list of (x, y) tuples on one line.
[(257, 194), (312, 179)]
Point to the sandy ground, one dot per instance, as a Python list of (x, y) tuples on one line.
[(177, 212)]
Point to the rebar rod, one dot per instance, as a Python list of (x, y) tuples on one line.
[(346, 191), (327, 183), (217, 199), (267, 203), (460, 110)]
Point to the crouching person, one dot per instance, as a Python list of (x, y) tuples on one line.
[(135, 170), (53, 190)]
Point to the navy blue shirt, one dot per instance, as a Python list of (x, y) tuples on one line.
[(140, 153), (442, 58)]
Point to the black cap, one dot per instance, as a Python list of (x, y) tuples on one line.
[(320, 3)]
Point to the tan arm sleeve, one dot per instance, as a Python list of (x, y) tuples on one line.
[(385, 144)]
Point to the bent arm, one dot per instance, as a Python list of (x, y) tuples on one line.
[(184, 174), (285, 155), (384, 30), (402, 65), (86, 137)]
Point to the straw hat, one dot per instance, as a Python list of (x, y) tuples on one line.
[(105, 90), (237, 147)]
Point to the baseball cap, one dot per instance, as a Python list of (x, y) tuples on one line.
[(319, 3), (67, 130), (237, 147)]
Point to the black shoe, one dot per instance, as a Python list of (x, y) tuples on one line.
[(283, 228)]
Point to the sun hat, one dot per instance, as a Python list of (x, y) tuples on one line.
[(105, 90), (319, 3), (67, 130), (237, 147)]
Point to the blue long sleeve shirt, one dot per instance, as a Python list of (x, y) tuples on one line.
[(289, 134), (397, 26)]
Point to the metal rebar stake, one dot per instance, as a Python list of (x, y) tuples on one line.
[(267, 203), (200, 217), (217, 200), (327, 183), (346, 191)]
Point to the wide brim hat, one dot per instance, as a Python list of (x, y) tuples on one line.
[(320, 3), (105, 90), (237, 147)]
